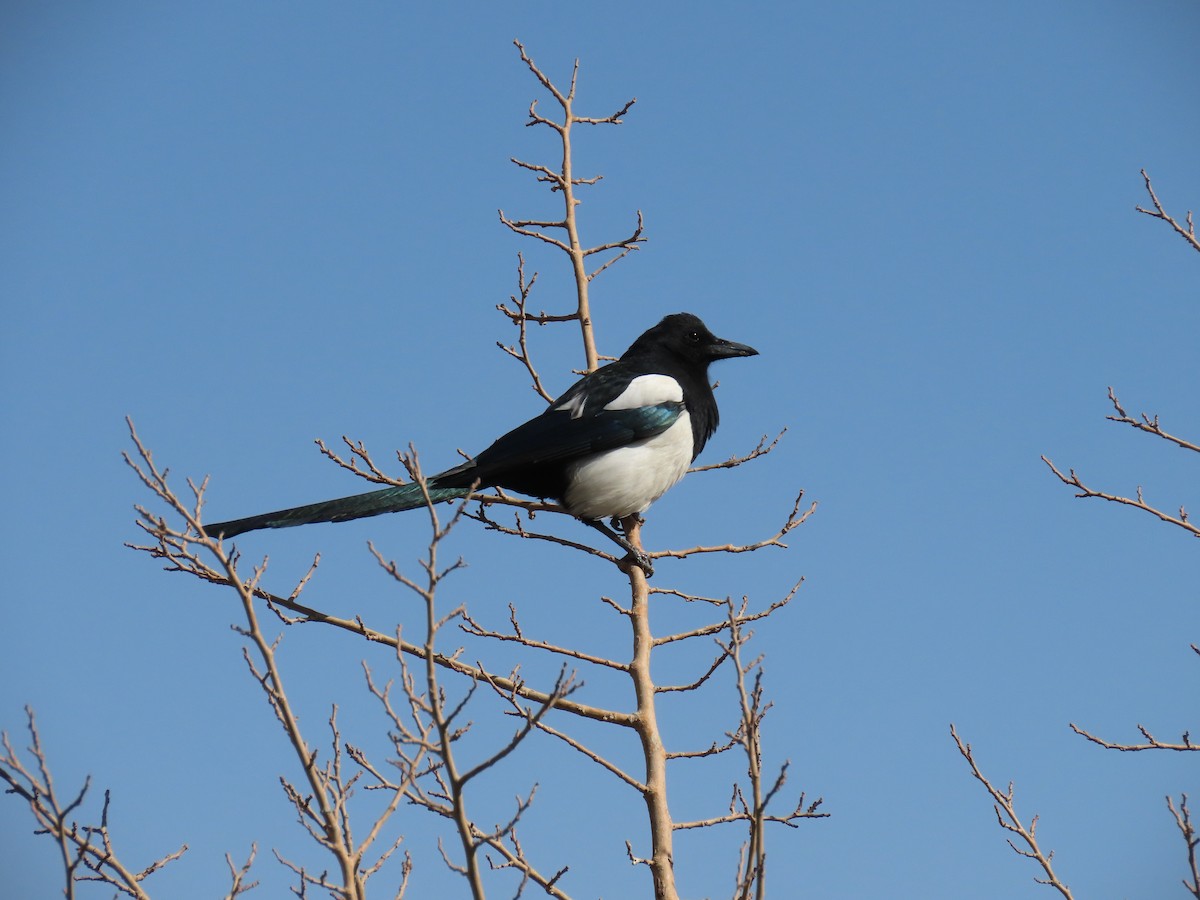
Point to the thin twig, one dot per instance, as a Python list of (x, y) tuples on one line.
[(1183, 820), (1152, 743), (1006, 817), (794, 520), (1138, 501), (1146, 424), (1188, 233), (83, 848), (762, 449)]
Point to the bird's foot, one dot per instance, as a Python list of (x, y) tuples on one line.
[(634, 557), (640, 560), (617, 524)]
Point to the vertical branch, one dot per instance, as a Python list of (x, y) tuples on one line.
[(238, 875), (566, 185), (564, 181), (654, 790), (51, 811), (333, 831), (1183, 820), (662, 860), (521, 317), (445, 736), (749, 735), (434, 730), (433, 703)]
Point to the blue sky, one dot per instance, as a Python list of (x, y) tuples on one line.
[(251, 226)]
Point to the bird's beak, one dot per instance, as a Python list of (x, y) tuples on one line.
[(723, 349)]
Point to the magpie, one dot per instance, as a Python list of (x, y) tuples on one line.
[(615, 442)]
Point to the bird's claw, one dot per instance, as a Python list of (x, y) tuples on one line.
[(641, 560), (617, 524)]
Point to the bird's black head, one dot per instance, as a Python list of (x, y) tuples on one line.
[(685, 336)]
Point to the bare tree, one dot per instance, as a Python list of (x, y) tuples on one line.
[(1150, 425), (1144, 422), (87, 851), (427, 689)]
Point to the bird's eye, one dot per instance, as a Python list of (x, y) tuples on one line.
[(694, 337)]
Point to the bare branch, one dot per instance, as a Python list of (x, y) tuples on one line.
[(432, 733), (83, 848), (518, 529), (713, 749), (1188, 233), (1183, 820), (762, 449), (1146, 424), (1138, 502), (593, 756), (176, 548), (744, 618), (625, 245), (1007, 818), (688, 598), (564, 181), (563, 687), (521, 318), (752, 865), (322, 810), (662, 858), (515, 859), (546, 83), (470, 626), (693, 685), (431, 700), (1152, 743), (614, 119), (238, 875), (358, 451), (527, 230), (794, 520)]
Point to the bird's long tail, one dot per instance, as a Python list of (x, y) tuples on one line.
[(374, 503)]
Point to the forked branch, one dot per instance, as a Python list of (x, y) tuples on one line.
[(794, 520), (1183, 821), (86, 851), (321, 806), (1138, 501), (1152, 743), (521, 317), (564, 233), (1188, 232), (1007, 818), (761, 449), (1146, 423)]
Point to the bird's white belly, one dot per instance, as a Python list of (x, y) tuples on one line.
[(627, 480)]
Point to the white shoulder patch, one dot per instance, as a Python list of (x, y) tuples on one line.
[(574, 406), (648, 390)]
